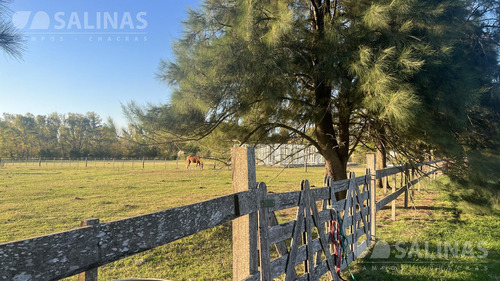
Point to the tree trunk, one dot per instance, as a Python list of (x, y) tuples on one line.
[(335, 156), (335, 161), (380, 144)]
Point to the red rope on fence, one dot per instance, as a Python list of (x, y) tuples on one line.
[(337, 244)]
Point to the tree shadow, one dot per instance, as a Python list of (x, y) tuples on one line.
[(423, 261)]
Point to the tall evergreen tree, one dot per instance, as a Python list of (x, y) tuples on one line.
[(319, 70)]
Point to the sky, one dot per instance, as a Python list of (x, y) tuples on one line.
[(89, 55)]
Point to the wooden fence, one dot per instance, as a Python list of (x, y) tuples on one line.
[(255, 229), (87, 162)]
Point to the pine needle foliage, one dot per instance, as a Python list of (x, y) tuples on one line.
[(11, 40), (330, 73)]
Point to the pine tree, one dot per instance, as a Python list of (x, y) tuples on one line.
[(11, 41), (326, 72)]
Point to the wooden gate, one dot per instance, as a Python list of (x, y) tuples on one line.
[(303, 246)]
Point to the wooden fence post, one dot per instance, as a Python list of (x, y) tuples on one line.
[(91, 274), (384, 184), (245, 255), (418, 174), (393, 204), (371, 161), (406, 182), (412, 178)]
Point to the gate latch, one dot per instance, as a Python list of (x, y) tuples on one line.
[(267, 203)]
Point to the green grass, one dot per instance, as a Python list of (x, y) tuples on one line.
[(42, 200), (426, 229)]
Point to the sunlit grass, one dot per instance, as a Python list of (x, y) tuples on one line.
[(431, 223), (41, 200)]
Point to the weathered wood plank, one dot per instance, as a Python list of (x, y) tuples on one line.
[(245, 228), (292, 256), (325, 226), (362, 180), (321, 269), (402, 168), (345, 264), (281, 247), (390, 171), (254, 277), (309, 263), (281, 232), (340, 185), (245, 202), (363, 210), (284, 231), (284, 200), (350, 237), (386, 200), (372, 187), (64, 254), (348, 211), (324, 242), (265, 256), (279, 265), (92, 274), (361, 248), (393, 204), (291, 199)]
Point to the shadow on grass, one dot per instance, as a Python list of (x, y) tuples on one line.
[(447, 261)]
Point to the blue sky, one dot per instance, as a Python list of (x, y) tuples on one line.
[(74, 63)]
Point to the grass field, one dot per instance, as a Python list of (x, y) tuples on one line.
[(434, 240), (41, 200)]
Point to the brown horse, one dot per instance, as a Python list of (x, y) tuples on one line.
[(194, 159)]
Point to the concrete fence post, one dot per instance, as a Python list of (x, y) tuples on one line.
[(91, 274), (371, 161), (245, 255)]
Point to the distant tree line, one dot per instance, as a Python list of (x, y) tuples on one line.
[(74, 135)]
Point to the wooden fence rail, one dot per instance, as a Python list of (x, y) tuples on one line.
[(67, 253)]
